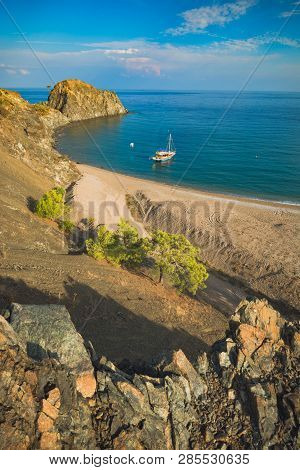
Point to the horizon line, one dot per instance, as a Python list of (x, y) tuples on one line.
[(181, 90)]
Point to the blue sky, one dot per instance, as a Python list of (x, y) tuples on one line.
[(153, 44)]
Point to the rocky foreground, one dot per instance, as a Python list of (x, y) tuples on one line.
[(244, 394)]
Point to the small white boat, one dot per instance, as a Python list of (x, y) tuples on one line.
[(164, 155)]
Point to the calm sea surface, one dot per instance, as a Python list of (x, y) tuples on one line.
[(248, 148)]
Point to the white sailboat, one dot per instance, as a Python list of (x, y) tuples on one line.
[(164, 155)]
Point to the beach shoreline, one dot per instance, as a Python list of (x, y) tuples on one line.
[(181, 190)]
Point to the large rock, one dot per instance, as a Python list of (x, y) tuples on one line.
[(48, 332), (27, 130), (78, 100), (259, 314), (262, 366), (18, 408), (177, 363), (39, 405)]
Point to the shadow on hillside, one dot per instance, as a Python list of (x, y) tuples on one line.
[(31, 203), (129, 340), (225, 293)]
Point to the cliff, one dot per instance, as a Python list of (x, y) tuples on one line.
[(26, 134), (78, 100), (26, 130), (242, 395)]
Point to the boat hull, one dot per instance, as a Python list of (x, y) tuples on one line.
[(163, 158)]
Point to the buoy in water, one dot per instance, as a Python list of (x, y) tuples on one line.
[(131, 145)]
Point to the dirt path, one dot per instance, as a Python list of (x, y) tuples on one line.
[(222, 293)]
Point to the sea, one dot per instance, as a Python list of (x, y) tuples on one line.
[(245, 144)]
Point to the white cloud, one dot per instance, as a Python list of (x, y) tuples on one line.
[(252, 44), (288, 42), (10, 71), (130, 50), (158, 60), (198, 19), (286, 14), (96, 49), (13, 70), (295, 11), (139, 60), (142, 64), (152, 62), (126, 44)]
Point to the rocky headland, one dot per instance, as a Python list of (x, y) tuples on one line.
[(78, 100), (93, 356)]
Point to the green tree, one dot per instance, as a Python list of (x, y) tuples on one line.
[(66, 225), (52, 204), (105, 246), (121, 247), (179, 260)]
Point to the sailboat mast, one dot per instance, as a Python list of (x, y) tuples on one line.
[(169, 146)]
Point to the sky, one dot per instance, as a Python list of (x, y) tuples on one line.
[(152, 44)]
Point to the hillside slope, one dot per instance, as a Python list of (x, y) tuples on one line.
[(26, 134), (113, 308)]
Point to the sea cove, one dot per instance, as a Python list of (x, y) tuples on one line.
[(246, 146)]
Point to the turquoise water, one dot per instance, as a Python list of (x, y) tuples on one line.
[(248, 148)]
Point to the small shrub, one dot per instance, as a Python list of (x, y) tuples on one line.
[(104, 246), (134, 249), (91, 222), (66, 225), (52, 204), (121, 247)]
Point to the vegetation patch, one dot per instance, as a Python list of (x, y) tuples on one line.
[(174, 256), (52, 206), (122, 247), (177, 258), (66, 225)]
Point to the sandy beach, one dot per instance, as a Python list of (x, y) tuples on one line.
[(98, 189), (253, 243)]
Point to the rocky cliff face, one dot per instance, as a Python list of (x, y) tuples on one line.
[(26, 133), (78, 100), (244, 394)]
